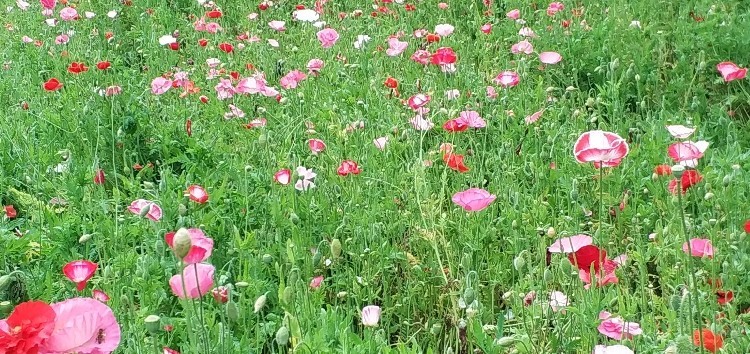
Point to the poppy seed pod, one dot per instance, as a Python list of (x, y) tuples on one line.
[(182, 243), (153, 323)]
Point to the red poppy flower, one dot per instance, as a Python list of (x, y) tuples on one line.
[(348, 167), (391, 83), (103, 65), (213, 14), (443, 56), (588, 256), (689, 178), (10, 212), (174, 46), (197, 194), (663, 170), (299, 7), (711, 341), (263, 6), (52, 85), (409, 7), (724, 297), (747, 227), (30, 324), (455, 162), (226, 47), (99, 177), (202, 42), (432, 38), (455, 125), (189, 127), (77, 68)]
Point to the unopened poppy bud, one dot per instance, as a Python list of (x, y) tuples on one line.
[(5, 281), (726, 180), (551, 232), (336, 248), (293, 276), (241, 284), (436, 329), (145, 210), (514, 224), (282, 336), (678, 170), (675, 302), (233, 313), (519, 263), (262, 139), (267, 258), (283, 100), (84, 238), (469, 295), (654, 176), (288, 296), (548, 276), (505, 341), (153, 323), (181, 243), (341, 294), (317, 257), (182, 210), (260, 302), (708, 196), (5, 308), (294, 218)]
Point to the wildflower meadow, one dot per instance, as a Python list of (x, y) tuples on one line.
[(374, 176)]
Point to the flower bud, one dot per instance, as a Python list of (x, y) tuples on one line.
[(519, 263), (282, 336), (288, 296), (548, 276), (153, 323), (241, 284), (181, 243), (505, 341), (726, 180), (84, 238), (145, 210), (336, 248), (551, 232), (267, 258), (233, 313), (182, 209), (341, 294), (708, 196), (259, 303), (5, 308), (294, 218), (678, 170), (5, 280), (469, 295)]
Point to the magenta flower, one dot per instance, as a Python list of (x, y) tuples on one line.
[(473, 199), (570, 244), (617, 329), (200, 249), (152, 210), (507, 79), (730, 71), (699, 247), (327, 37)]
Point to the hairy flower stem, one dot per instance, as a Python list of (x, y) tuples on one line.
[(689, 255), (188, 317), (203, 333)]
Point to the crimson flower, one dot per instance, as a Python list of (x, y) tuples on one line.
[(52, 85), (348, 167), (27, 328), (77, 68), (80, 272), (103, 65)]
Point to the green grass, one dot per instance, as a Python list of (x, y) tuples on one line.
[(404, 245)]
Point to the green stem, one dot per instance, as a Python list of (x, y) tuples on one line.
[(203, 333), (601, 199), (689, 255), (188, 316)]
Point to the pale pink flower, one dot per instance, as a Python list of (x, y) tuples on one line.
[(112, 91), (314, 66), (558, 301), (491, 92), (534, 117), (600, 147), (699, 247), (62, 39), (444, 30), (687, 153), (371, 316), (316, 146), (442, 6), (527, 32), (617, 329), (507, 79), (83, 325), (550, 58), (554, 8), (612, 349), (418, 101), (22, 5), (139, 205), (473, 199), (419, 33), (292, 79), (305, 15), (486, 28), (421, 56), (472, 119), (213, 28), (381, 142), (513, 14), (234, 111), (570, 244), (283, 176), (196, 280), (730, 71), (224, 89), (277, 25), (327, 37), (160, 85), (316, 282), (27, 39), (680, 131), (523, 46), (420, 123), (213, 62), (359, 43), (396, 47), (68, 14)]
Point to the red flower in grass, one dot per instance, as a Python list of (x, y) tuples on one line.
[(455, 162), (747, 227), (724, 296), (27, 328), (103, 65), (663, 170), (197, 194), (52, 85), (80, 272), (587, 256), (213, 14), (77, 68), (99, 177), (443, 56), (348, 167), (688, 179), (10, 212), (710, 341), (226, 47), (455, 125)]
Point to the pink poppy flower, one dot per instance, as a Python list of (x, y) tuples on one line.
[(277, 25), (348, 167), (80, 272), (371, 315), (558, 301), (418, 101), (200, 249), (421, 57), (314, 66), (327, 37), (160, 85), (605, 275), (139, 205), (316, 282), (527, 32), (617, 329), (316, 146), (612, 349), (444, 30), (680, 131), (197, 194), (283, 176), (550, 58), (534, 117), (472, 119), (523, 46), (395, 47), (570, 244), (381, 142), (554, 8), (730, 71), (491, 93), (224, 89), (194, 286), (507, 79), (473, 199), (421, 124), (600, 147), (48, 4), (83, 325), (699, 247), (292, 79), (443, 56), (62, 39), (100, 295), (687, 153), (513, 14), (305, 180), (68, 14)]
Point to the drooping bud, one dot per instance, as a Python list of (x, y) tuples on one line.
[(678, 170), (519, 263), (241, 284), (84, 238), (182, 243), (260, 302)]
